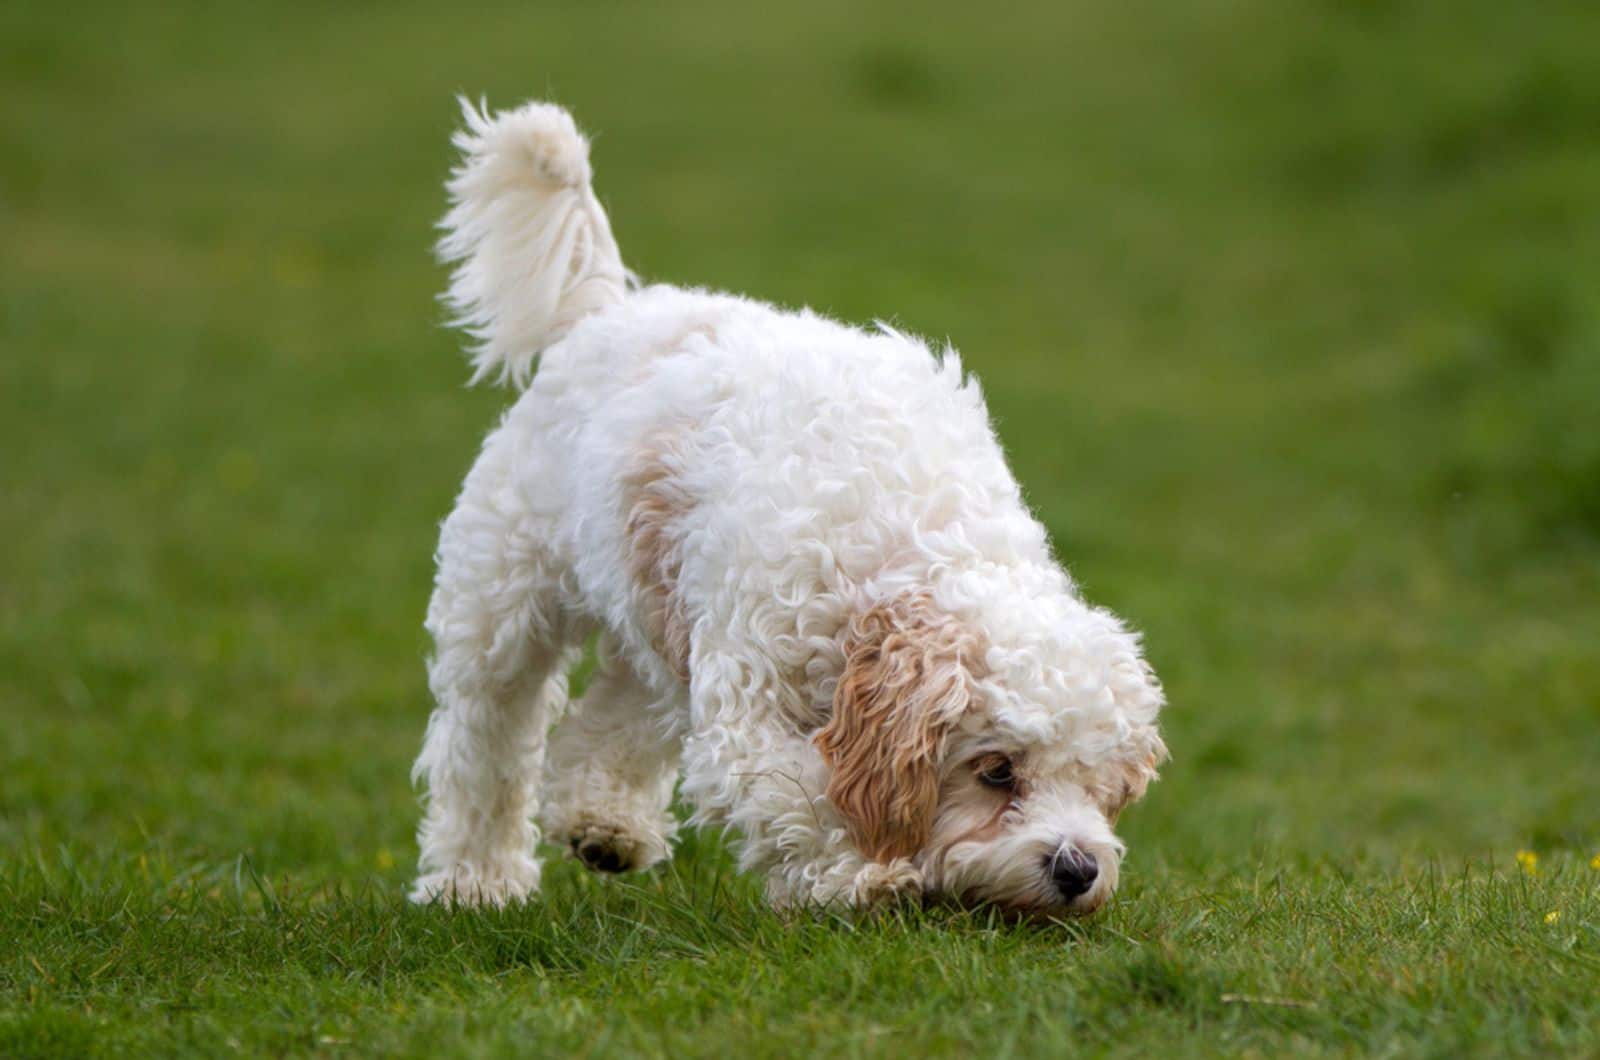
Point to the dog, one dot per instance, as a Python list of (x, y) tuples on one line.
[(824, 613)]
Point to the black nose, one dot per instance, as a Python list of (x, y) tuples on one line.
[(1073, 872)]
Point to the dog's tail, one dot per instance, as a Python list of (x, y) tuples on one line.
[(532, 248)]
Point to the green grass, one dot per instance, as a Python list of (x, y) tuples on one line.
[(1288, 314)]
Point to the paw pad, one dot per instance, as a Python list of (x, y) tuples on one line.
[(601, 857)]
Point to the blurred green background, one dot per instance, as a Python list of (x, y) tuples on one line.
[(1288, 314)]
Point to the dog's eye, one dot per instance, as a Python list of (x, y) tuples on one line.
[(996, 773)]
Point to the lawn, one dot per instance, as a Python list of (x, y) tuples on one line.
[(1287, 312)]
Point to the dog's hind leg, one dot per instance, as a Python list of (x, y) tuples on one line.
[(503, 642), (610, 772)]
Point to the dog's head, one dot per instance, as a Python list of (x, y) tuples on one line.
[(993, 747)]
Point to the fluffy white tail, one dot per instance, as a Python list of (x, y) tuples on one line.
[(531, 244)]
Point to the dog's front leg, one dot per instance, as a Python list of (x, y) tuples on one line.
[(770, 791), (747, 766)]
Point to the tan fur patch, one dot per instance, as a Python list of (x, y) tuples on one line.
[(1132, 777), (905, 683), (656, 501)]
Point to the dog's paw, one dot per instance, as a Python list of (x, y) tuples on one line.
[(473, 885), (878, 883), (606, 849)]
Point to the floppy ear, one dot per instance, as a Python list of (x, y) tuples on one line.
[(906, 680), (1135, 772)]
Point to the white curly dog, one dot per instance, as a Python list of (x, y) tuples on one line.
[(820, 598)]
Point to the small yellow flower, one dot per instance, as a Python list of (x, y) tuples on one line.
[(1529, 862), (385, 860), (1552, 916), (1594, 863)]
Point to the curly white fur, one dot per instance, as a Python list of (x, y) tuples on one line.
[(822, 601)]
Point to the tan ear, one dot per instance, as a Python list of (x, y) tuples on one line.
[(905, 682), (1135, 773)]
